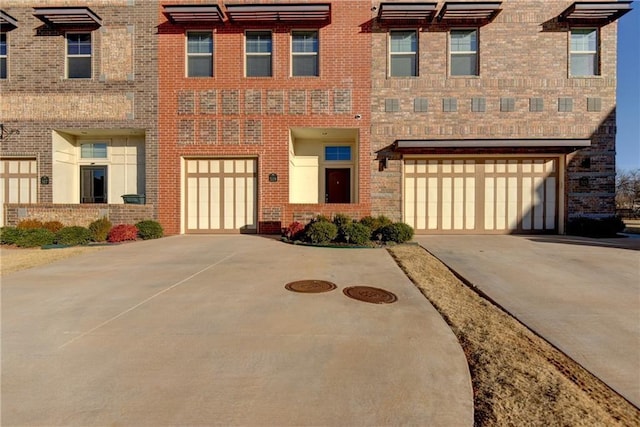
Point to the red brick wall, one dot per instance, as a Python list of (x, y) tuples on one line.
[(231, 115)]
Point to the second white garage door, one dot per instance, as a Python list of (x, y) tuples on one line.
[(481, 195), (221, 195)]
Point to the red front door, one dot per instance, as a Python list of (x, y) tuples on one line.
[(338, 185)]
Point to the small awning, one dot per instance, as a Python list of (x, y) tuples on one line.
[(7, 20), (278, 12), (466, 11), (53, 16), (184, 14), (601, 12), (407, 11), (408, 144)]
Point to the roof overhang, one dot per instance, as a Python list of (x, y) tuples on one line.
[(67, 16), (601, 12), (409, 145), (184, 14), (290, 12), (407, 11), (7, 21), (475, 12)]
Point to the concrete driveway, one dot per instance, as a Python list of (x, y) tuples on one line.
[(199, 330), (582, 295)]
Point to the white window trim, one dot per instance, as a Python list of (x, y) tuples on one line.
[(578, 52), (198, 54), (247, 54), (465, 52), (6, 55), (67, 56), (414, 53), (316, 54)]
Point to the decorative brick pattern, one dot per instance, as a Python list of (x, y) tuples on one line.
[(319, 101), (208, 131), (253, 131), (116, 53), (275, 101), (208, 101), (186, 132), (186, 102), (231, 132), (82, 107), (342, 100), (253, 101), (297, 102), (230, 102)]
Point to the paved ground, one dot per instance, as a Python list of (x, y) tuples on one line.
[(199, 330), (582, 295)]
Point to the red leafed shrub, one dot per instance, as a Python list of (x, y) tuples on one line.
[(122, 232), (294, 231)]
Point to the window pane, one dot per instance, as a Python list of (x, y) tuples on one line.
[(305, 65), (403, 65), (3, 44), (259, 42), (464, 65), (337, 153), (90, 151), (584, 64), (200, 43), (79, 44), (584, 40), (3, 68), (403, 41), (200, 66), (464, 41), (259, 66), (305, 41), (80, 67)]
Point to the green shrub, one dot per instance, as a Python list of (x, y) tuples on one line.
[(10, 235), (30, 224), (595, 227), (53, 226), (321, 218), (122, 233), (33, 237), (99, 229), (73, 236), (376, 224), (149, 229), (321, 232), (398, 232), (356, 233)]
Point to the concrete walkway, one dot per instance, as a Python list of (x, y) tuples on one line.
[(199, 330), (582, 295)]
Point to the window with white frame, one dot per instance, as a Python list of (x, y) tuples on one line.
[(584, 52), (199, 54), (3, 55), (258, 50), (93, 150), (403, 54), (304, 53), (79, 55), (464, 52)]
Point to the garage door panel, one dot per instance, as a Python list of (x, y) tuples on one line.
[(18, 182)]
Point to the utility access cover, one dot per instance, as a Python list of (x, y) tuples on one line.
[(370, 294), (310, 286)]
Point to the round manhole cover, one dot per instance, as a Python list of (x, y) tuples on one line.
[(310, 286), (370, 294)]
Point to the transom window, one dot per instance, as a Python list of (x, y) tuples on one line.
[(403, 53), (464, 52), (199, 54), (584, 52), (79, 53), (3, 55), (97, 150), (304, 53), (258, 50), (337, 153)]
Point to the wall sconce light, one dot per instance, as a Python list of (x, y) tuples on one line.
[(273, 177), (6, 132), (382, 164)]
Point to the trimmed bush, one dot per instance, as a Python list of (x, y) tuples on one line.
[(30, 224), (73, 236), (398, 232), (294, 231), (10, 235), (99, 229), (340, 221), (321, 232), (376, 224), (595, 227), (122, 233), (33, 237), (53, 226), (356, 233), (149, 229)]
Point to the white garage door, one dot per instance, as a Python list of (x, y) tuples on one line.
[(18, 182), (481, 195), (221, 196)]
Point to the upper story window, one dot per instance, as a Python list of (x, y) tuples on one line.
[(583, 54), (403, 54), (464, 52), (3, 55), (258, 53), (199, 54), (93, 150), (79, 55), (304, 53)]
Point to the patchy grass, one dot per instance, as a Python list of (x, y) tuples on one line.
[(16, 259), (518, 378)]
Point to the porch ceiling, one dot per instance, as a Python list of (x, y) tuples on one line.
[(101, 132), (334, 134)]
